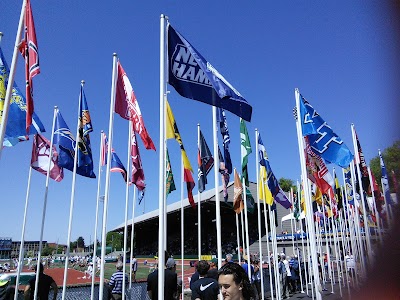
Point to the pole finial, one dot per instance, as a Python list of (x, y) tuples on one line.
[(82, 82), (55, 107), (114, 54), (1, 34)]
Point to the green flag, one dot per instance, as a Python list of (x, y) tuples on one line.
[(245, 150), (170, 184)]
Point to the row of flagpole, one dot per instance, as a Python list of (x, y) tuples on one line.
[(365, 258)]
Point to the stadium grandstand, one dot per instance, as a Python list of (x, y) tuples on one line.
[(146, 226)]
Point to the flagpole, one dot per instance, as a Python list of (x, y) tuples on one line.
[(307, 200), (45, 202), (107, 183), (21, 247), (161, 184), (182, 225), (247, 230), (96, 218), (216, 181), (126, 206), (238, 238), (199, 200), (366, 227), (243, 235), (132, 235), (387, 206), (374, 207), (71, 206), (268, 249), (11, 76), (259, 218)]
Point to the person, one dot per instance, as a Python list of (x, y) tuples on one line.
[(349, 259), (170, 281), (45, 283), (116, 281), (228, 258), (294, 270), (234, 283), (204, 288), (89, 271), (283, 271), (213, 271), (134, 268), (257, 277)]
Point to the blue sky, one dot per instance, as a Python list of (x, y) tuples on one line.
[(342, 55)]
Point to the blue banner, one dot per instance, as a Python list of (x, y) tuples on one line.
[(323, 141), (385, 181), (194, 77), (16, 122)]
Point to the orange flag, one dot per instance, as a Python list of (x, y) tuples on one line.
[(238, 204)]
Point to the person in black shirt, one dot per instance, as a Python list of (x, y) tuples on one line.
[(170, 282), (45, 283), (204, 288)]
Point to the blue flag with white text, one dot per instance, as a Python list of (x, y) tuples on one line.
[(323, 141), (194, 77), (66, 143), (385, 181), (16, 122)]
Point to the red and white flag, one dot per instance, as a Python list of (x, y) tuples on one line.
[(137, 169), (29, 50), (127, 106), (40, 158)]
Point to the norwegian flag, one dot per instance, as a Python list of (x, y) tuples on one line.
[(29, 50), (127, 106)]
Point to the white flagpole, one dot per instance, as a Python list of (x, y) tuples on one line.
[(307, 197), (107, 185), (243, 234), (374, 208), (71, 206), (198, 201), (238, 238), (94, 264), (302, 239), (21, 247), (275, 247), (366, 227), (128, 169), (291, 219), (132, 236), (247, 229), (182, 225), (268, 249), (216, 181), (259, 218), (45, 202), (11, 76), (161, 183)]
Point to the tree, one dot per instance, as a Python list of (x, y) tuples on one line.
[(286, 184), (80, 242), (114, 239), (48, 251), (391, 157)]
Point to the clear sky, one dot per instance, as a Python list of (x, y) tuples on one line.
[(342, 55)]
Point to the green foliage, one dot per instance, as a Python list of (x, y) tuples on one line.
[(115, 240), (391, 157), (286, 184), (80, 242), (48, 251)]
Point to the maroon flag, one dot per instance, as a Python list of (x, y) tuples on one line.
[(137, 169), (127, 106), (29, 50), (40, 158), (363, 167), (188, 178)]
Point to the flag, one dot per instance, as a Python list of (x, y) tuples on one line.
[(360, 159), (194, 77), (16, 122), (170, 184), (385, 181), (264, 192), (116, 164), (224, 174), (40, 158), (85, 159), (223, 125), (238, 205), (379, 200), (349, 187), (66, 143), (245, 150), (323, 141), (127, 106), (296, 207), (137, 168), (29, 50), (338, 194), (273, 184), (173, 133), (205, 161)]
